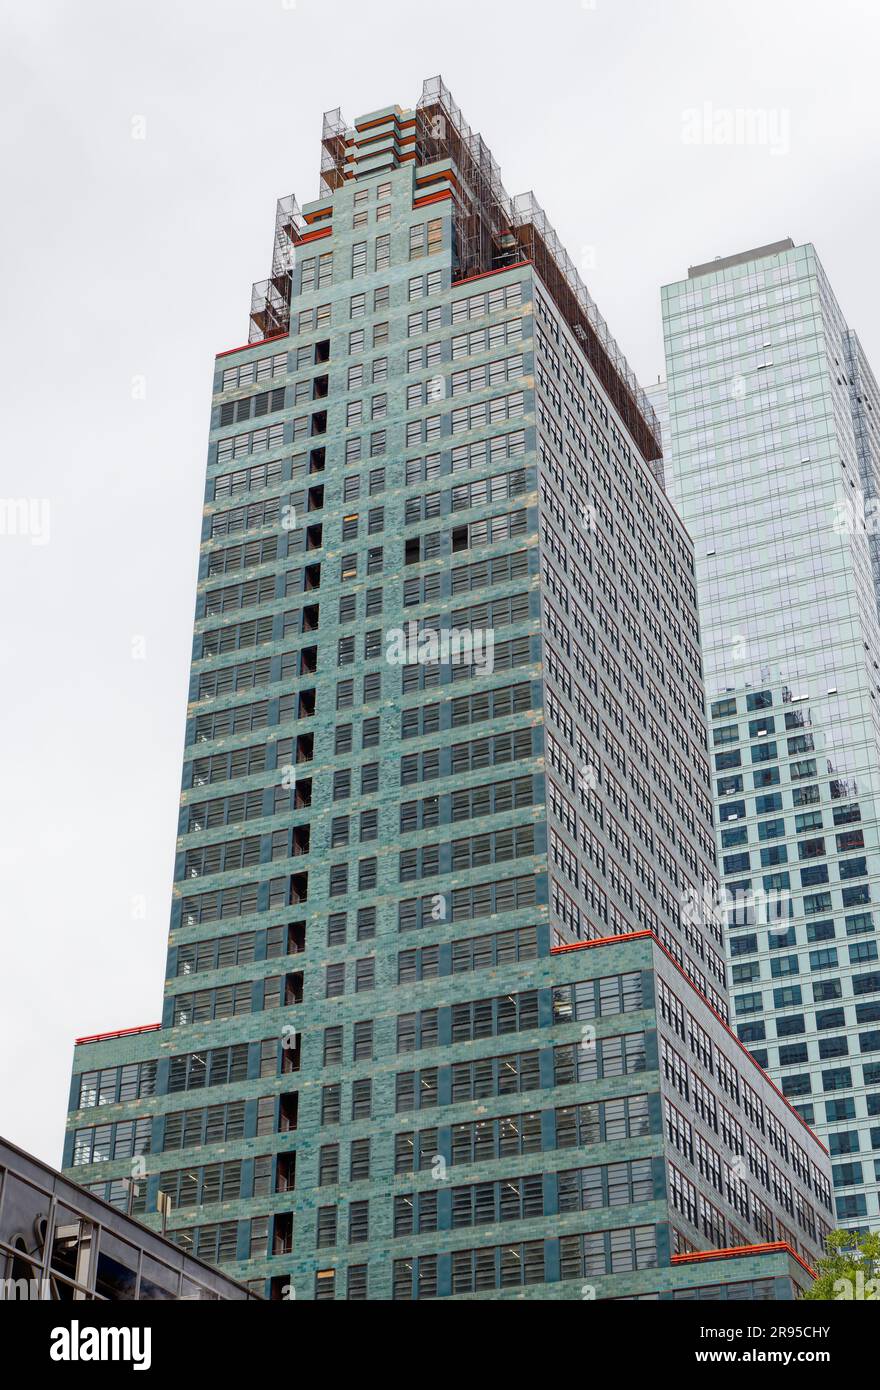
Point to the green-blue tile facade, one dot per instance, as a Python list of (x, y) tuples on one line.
[(441, 1018)]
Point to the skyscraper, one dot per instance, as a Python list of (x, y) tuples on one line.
[(436, 1023), (774, 467)]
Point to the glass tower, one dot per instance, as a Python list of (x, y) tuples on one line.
[(436, 1023), (773, 435)]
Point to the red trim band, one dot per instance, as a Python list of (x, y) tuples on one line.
[(484, 274), (315, 234), (733, 1252), (120, 1033), (259, 343), (440, 197), (628, 936)]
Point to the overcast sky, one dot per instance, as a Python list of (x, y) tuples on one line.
[(126, 263)]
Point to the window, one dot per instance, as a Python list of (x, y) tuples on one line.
[(326, 1228), (332, 1045), (365, 974), (361, 1099), (358, 1222), (366, 923), (331, 1104), (363, 1041), (328, 1165), (359, 1160)]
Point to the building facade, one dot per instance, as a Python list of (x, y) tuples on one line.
[(59, 1243), (435, 973), (774, 466)]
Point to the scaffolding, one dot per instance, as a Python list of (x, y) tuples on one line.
[(552, 262), (494, 231), (270, 299), (482, 209), (334, 147)]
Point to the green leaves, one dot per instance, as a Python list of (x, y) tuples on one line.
[(851, 1269)]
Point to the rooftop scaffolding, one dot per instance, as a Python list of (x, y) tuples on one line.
[(333, 148), (555, 267), (483, 210), (492, 232), (495, 231), (270, 299)]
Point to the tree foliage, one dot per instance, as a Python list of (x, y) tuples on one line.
[(851, 1269)]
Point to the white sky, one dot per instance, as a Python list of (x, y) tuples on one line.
[(124, 258)]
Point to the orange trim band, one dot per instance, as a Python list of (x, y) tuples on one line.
[(120, 1033), (316, 234), (370, 140), (444, 174), (382, 120), (732, 1252), (484, 275), (627, 936), (600, 941), (273, 337), (441, 197)]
